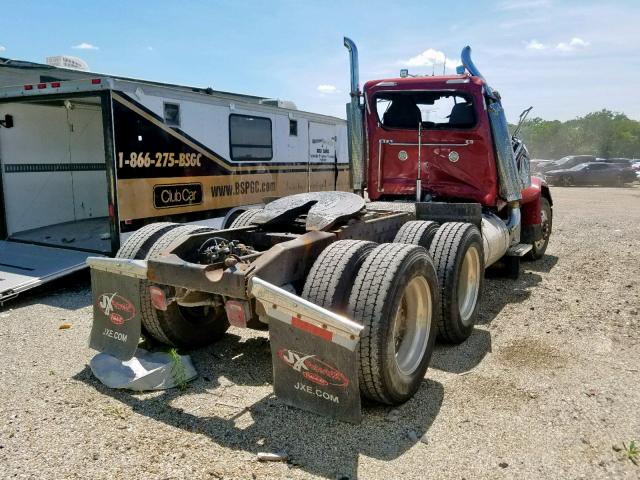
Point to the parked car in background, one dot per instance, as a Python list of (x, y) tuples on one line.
[(536, 163), (620, 161), (566, 162), (591, 173)]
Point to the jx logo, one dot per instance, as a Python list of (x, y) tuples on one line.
[(296, 360), (106, 302), (116, 308)]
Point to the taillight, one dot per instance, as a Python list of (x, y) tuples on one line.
[(55, 84), (28, 87), (41, 86), (96, 81), (158, 298), (238, 312)]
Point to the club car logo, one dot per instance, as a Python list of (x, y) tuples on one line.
[(313, 368), (167, 196), (116, 308)]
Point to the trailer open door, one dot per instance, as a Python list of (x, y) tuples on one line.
[(55, 188)]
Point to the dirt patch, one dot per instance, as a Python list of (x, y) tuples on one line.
[(533, 354)]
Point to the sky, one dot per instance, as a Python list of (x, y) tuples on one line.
[(566, 58)]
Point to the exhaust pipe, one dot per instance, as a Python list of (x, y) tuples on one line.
[(355, 123), (510, 184)]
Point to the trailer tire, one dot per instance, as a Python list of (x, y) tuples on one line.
[(417, 232), (245, 218), (138, 244), (396, 287), (332, 275), (538, 248), (458, 255), (178, 326)]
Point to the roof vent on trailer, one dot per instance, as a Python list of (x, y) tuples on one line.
[(67, 61), (276, 102)]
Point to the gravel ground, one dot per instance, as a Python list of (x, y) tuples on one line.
[(546, 387)]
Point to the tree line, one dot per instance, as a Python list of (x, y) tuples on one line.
[(605, 134)]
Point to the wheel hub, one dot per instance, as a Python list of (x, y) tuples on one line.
[(544, 220), (412, 325), (469, 284)]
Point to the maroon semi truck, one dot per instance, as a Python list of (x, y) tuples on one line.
[(355, 286)]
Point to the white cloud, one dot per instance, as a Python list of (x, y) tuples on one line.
[(534, 45), (523, 4), (2, 49), (429, 58), (327, 89), (85, 46), (574, 44)]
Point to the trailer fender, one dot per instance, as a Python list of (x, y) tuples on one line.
[(313, 350)]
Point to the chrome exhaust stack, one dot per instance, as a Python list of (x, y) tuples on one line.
[(355, 123), (511, 184)]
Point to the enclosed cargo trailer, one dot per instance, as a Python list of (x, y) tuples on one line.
[(87, 162)]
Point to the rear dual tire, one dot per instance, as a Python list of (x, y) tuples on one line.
[(187, 327), (458, 254), (391, 289)]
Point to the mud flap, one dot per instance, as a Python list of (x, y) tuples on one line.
[(315, 362), (115, 287)]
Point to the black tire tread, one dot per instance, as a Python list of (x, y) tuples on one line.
[(138, 244), (148, 314), (375, 278), (245, 218), (331, 277), (417, 232), (444, 250)]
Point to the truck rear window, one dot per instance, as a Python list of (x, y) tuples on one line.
[(435, 110)]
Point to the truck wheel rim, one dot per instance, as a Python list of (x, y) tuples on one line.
[(469, 284), (412, 324), (545, 230)]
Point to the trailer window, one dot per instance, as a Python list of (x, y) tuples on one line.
[(250, 138), (435, 110), (172, 114), (293, 128)]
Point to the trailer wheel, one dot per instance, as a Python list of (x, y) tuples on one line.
[(138, 244), (459, 258), (539, 247), (179, 326), (417, 232), (244, 219), (395, 297), (332, 275)]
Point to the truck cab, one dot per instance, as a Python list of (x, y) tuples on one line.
[(440, 122)]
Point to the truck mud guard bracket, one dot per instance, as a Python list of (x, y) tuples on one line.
[(314, 353)]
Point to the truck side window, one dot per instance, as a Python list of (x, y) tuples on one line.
[(250, 138), (435, 110), (293, 128), (172, 114)]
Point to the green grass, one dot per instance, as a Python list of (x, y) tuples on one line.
[(178, 372), (631, 451)]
